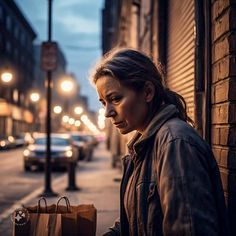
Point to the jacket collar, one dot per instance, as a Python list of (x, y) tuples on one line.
[(165, 113)]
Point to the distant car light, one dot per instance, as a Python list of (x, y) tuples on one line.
[(26, 152), (11, 139), (69, 153), (2, 143)]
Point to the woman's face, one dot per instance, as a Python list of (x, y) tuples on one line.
[(126, 108)]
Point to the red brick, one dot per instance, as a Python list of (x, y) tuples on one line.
[(224, 90), (224, 135), (224, 47), (215, 134), (225, 157), (224, 23), (220, 69), (220, 91), (220, 49), (218, 7), (227, 136), (224, 68), (220, 113)]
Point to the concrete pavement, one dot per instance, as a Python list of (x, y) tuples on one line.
[(97, 186)]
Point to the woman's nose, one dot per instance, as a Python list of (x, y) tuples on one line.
[(109, 112)]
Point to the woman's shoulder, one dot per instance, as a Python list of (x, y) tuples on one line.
[(176, 129)]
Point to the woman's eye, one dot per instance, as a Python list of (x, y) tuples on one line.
[(116, 99)]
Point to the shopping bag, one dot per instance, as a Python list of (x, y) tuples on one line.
[(86, 217), (59, 220), (48, 222)]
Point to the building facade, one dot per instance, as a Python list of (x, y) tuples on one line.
[(16, 57), (195, 42)]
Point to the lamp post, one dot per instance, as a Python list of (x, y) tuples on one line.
[(49, 64)]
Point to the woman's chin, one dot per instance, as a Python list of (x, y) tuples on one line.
[(124, 130)]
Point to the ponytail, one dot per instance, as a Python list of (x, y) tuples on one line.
[(171, 97)]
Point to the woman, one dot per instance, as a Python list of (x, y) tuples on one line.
[(171, 183)]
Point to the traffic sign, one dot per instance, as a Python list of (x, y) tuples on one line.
[(49, 56)]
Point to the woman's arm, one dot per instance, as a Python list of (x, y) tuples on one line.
[(186, 191)]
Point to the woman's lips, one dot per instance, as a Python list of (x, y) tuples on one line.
[(119, 124)]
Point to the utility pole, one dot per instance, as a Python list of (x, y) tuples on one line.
[(48, 63)]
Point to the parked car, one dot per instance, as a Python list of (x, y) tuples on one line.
[(4, 142), (85, 144), (62, 151), (7, 142), (19, 140)]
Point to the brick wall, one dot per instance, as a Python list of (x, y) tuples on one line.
[(224, 97)]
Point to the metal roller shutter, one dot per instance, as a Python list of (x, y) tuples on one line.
[(180, 50)]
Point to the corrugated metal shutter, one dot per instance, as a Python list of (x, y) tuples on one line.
[(180, 50)]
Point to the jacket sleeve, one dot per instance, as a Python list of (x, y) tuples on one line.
[(186, 191), (114, 230)]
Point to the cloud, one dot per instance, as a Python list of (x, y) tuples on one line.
[(76, 27)]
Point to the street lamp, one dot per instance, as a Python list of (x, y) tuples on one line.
[(57, 109), (34, 97), (78, 110), (6, 77), (67, 85)]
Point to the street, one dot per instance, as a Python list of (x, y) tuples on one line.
[(95, 180), (15, 183)]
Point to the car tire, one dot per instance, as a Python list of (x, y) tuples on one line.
[(27, 168)]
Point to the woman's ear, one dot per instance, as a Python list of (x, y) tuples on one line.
[(149, 91)]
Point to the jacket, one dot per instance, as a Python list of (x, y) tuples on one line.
[(178, 190)]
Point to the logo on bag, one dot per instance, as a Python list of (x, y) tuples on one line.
[(20, 216)]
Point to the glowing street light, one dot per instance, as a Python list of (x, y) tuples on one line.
[(6, 77), (78, 110), (34, 97), (71, 121), (77, 123), (57, 109), (67, 86), (65, 118)]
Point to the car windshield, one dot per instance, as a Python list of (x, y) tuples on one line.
[(54, 141)]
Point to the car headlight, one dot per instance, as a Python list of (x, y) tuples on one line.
[(27, 153), (69, 153), (2, 143)]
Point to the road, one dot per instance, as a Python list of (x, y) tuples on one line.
[(15, 183), (98, 183)]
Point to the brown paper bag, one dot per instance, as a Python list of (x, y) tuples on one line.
[(86, 218), (59, 220), (48, 222)]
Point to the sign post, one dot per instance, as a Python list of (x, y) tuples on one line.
[(48, 63)]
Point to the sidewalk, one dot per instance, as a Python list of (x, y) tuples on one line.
[(97, 186)]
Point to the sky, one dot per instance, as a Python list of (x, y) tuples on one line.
[(76, 27)]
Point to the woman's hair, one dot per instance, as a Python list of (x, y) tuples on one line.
[(132, 69)]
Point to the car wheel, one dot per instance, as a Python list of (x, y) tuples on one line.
[(27, 168)]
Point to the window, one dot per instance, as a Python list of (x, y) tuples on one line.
[(8, 23), (15, 95), (1, 13), (8, 46), (16, 32)]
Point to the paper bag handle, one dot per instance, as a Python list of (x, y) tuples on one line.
[(67, 203), (39, 206)]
